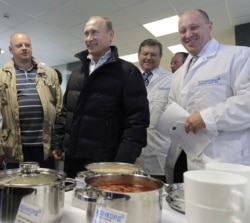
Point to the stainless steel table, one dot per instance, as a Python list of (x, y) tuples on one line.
[(76, 215)]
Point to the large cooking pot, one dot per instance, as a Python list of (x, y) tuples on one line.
[(144, 206), (102, 168), (110, 167), (31, 187)]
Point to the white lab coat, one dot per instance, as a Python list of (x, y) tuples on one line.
[(153, 156), (218, 86)]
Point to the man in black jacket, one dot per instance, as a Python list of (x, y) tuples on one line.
[(105, 111)]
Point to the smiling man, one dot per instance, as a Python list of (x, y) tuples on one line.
[(105, 112), (158, 83), (31, 99), (215, 90)]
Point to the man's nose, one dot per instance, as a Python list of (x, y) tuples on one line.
[(189, 33), (89, 37)]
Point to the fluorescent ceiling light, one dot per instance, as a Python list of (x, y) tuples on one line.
[(164, 26), (177, 48), (130, 58), (2, 51)]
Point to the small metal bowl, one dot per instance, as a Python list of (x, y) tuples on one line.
[(175, 197)]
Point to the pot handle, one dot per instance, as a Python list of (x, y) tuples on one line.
[(70, 184), (165, 193), (141, 172), (87, 194), (86, 173)]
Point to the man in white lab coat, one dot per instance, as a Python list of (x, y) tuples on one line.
[(216, 93), (153, 156)]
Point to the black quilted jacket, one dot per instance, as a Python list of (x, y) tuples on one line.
[(105, 115)]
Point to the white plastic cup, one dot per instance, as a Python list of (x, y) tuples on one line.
[(202, 214), (216, 190), (239, 169)]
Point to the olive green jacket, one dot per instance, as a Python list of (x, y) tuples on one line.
[(50, 93)]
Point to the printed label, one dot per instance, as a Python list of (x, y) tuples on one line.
[(28, 213), (108, 215)]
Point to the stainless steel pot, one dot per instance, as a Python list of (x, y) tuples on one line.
[(103, 168), (143, 206), (40, 188)]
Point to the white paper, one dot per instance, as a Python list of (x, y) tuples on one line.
[(192, 144), (170, 116), (172, 124)]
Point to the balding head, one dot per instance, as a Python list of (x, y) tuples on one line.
[(17, 35), (20, 48), (195, 30)]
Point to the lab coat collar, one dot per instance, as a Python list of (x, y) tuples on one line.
[(210, 49), (156, 72)]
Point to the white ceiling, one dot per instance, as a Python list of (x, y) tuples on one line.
[(56, 26)]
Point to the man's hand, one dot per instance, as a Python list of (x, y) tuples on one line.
[(194, 123), (57, 154)]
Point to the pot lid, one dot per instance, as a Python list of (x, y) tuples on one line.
[(28, 173), (112, 167)]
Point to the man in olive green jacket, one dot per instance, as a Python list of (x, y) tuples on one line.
[(0, 99), (31, 98)]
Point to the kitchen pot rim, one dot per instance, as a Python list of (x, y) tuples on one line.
[(160, 184), (59, 176)]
